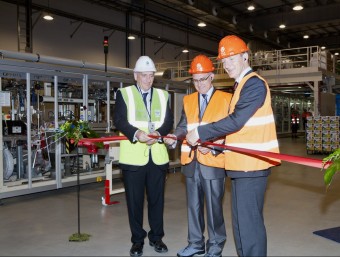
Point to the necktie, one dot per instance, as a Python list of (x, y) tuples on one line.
[(235, 85), (203, 105), (144, 99)]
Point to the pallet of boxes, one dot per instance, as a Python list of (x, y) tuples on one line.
[(322, 134)]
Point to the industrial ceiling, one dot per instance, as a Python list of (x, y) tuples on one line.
[(319, 19)]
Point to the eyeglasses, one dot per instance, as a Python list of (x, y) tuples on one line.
[(201, 80)]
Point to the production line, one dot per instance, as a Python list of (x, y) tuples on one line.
[(35, 156)]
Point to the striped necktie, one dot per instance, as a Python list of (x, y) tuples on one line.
[(203, 105), (144, 99)]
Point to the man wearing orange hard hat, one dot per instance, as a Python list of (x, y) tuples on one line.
[(203, 167), (249, 124)]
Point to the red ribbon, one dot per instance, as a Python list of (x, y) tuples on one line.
[(284, 157)]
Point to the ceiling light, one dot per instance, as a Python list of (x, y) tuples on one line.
[(201, 24), (305, 36), (336, 53), (323, 47), (131, 37), (297, 7), (48, 17), (251, 7), (282, 26), (185, 51)]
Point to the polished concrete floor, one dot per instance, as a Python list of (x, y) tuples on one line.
[(296, 205)]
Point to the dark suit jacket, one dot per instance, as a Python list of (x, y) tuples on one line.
[(121, 123), (252, 97), (189, 169)]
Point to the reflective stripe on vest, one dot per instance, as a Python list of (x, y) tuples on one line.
[(138, 153), (214, 112), (258, 133), (261, 146), (132, 108), (257, 121), (195, 125)]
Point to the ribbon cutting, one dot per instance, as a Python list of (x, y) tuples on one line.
[(315, 163)]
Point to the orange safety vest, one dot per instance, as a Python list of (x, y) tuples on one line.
[(217, 109), (258, 133)]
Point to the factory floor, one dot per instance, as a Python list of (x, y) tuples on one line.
[(296, 204)]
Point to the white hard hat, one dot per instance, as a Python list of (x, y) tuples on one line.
[(143, 64)]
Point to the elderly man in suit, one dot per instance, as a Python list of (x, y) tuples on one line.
[(140, 111), (203, 166)]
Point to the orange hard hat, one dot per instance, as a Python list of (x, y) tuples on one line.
[(231, 45), (201, 64)]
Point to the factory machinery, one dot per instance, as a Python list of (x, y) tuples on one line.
[(37, 95)]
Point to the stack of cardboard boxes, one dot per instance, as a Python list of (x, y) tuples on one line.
[(322, 134)]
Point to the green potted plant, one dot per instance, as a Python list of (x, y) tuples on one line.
[(333, 162), (74, 130)]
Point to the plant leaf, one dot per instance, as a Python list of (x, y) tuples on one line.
[(329, 173)]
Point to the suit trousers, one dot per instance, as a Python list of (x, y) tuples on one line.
[(198, 189), (247, 215), (150, 179)]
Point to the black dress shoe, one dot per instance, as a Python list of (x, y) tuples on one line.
[(136, 250), (159, 246)]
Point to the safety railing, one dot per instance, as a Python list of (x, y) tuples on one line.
[(291, 58)]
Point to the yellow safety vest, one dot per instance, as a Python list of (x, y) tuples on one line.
[(217, 109), (259, 133), (138, 153)]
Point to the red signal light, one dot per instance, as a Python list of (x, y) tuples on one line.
[(106, 44)]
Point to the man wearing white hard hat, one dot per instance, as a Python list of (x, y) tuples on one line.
[(140, 111)]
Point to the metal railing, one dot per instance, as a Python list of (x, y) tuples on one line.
[(291, 58)]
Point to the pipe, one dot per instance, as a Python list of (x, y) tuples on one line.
[(61, 61), (72, 63), (20, 162)]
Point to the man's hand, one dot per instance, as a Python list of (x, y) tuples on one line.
[(204, 150), (192, 137), (151, 141), (170, 141), (219, 141), (142, 136)]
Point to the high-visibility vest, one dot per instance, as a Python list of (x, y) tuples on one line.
[(217, 109), (138, 153), (259, 133), (295, 119)]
